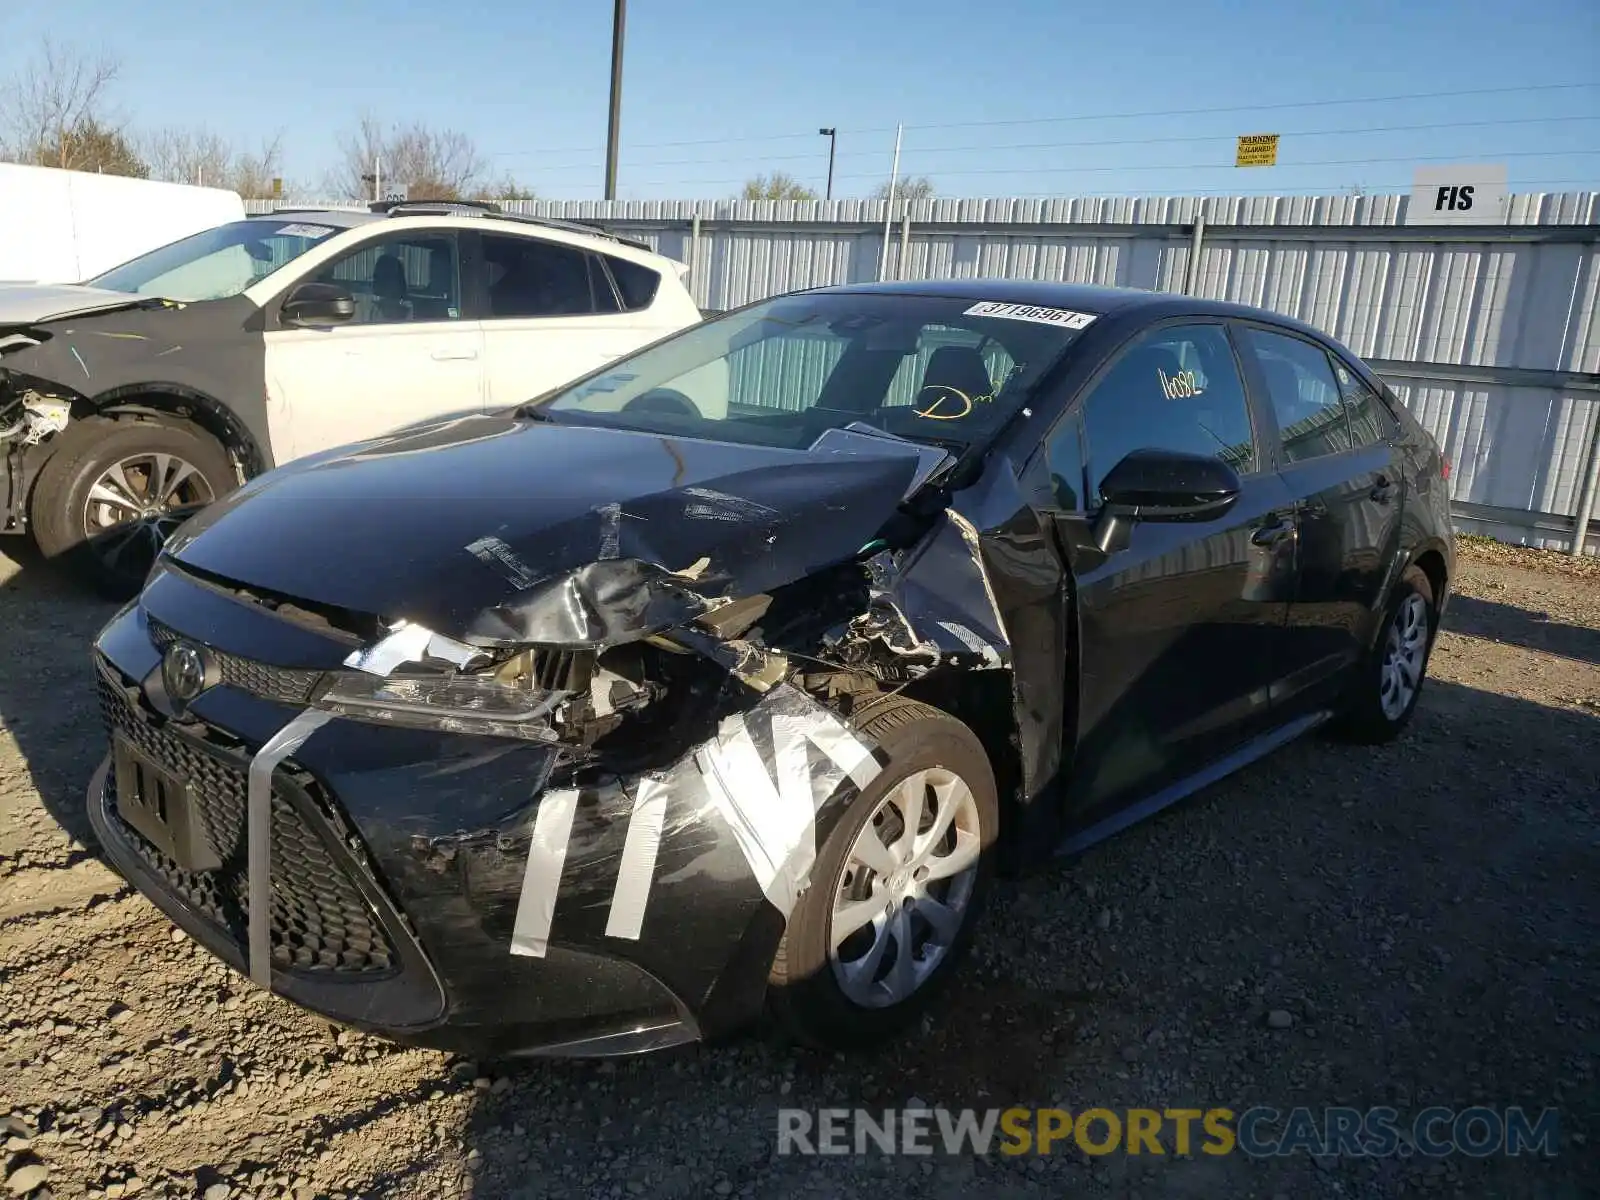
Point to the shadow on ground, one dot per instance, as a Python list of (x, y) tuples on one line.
[(1522, 627), (47, 700), (1424, 912)]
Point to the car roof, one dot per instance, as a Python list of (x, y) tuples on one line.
[(458, 214), (1134, 303)]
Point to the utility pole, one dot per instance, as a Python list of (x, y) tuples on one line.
[(618, 22), (833, 140)]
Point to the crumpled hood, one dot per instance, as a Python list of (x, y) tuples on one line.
[(31, 303), (462, 525)]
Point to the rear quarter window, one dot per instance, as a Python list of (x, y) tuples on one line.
[(636, 284)]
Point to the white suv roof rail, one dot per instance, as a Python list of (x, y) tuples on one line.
[(482, 208)]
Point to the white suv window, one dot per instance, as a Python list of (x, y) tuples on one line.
[(530, 277), (410, 276)]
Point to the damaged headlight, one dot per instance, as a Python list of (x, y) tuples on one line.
[(463, 703), (403, 679), (558, 694)]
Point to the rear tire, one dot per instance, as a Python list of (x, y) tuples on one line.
[(115, 489), (1388, 682), (853, 988)]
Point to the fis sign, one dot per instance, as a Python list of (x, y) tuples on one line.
[(1458, 195)]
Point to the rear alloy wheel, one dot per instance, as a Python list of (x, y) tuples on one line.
[(897, 886), (1388, 682), (115, 490)]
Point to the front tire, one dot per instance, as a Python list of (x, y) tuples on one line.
[(1388, 682), (115, 489), (897, 887)]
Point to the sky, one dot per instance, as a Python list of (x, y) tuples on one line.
[(999, 98)]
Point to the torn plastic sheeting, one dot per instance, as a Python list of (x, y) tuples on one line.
[(610, 530), (636, 871), (756, 666), (757, 773), (499, 557), (603, 603), (708, 504), (771, 802), (541, 878), (258, 835)]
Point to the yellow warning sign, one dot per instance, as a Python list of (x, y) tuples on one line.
[(1257, 150)]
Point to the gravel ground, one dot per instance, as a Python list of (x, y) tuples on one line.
[(1410, 925)]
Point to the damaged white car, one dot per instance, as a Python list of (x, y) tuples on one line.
[(129, 402)]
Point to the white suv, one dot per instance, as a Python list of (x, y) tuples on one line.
[(130, 400)]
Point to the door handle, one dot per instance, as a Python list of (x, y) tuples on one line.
[(1383, 491), (453, 355), (1271, 535)]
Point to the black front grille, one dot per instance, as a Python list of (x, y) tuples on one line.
[(321, 921), (290, 685)]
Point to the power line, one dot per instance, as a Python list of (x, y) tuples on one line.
[(1173, 140), (1329, 191), (1215, 166), (1191, 112), (1288, 133), (1126, 116)]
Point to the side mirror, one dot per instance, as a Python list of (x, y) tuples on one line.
[(318, 304), (1163, 485)]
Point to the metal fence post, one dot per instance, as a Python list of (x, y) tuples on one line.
[(1191, 271), (694, 253), (1591, 483), (905, 242)]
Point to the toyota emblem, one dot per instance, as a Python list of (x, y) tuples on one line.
[(183, 672)]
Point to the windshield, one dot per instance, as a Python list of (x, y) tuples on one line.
[(218, 263), (941, 370)]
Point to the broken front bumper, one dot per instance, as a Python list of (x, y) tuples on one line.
[(425, 885)]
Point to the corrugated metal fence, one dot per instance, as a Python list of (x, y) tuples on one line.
[(1491, 335)]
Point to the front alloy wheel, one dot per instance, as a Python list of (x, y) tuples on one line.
[(135, 505), (897, 885), (905, 889), (116, 487)]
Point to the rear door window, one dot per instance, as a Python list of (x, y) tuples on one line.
[(1305, 396), (531, 277)]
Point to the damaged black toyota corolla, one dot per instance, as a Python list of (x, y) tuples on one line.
[(725, 676)]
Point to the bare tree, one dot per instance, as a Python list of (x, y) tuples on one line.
[(203, 157), (433, 164), (777, 186), (55, 112), (909, 189)]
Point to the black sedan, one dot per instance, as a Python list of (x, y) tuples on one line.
[(727, 676)]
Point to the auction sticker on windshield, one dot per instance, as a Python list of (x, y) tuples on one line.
[(305, 231), (1063, 317)]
